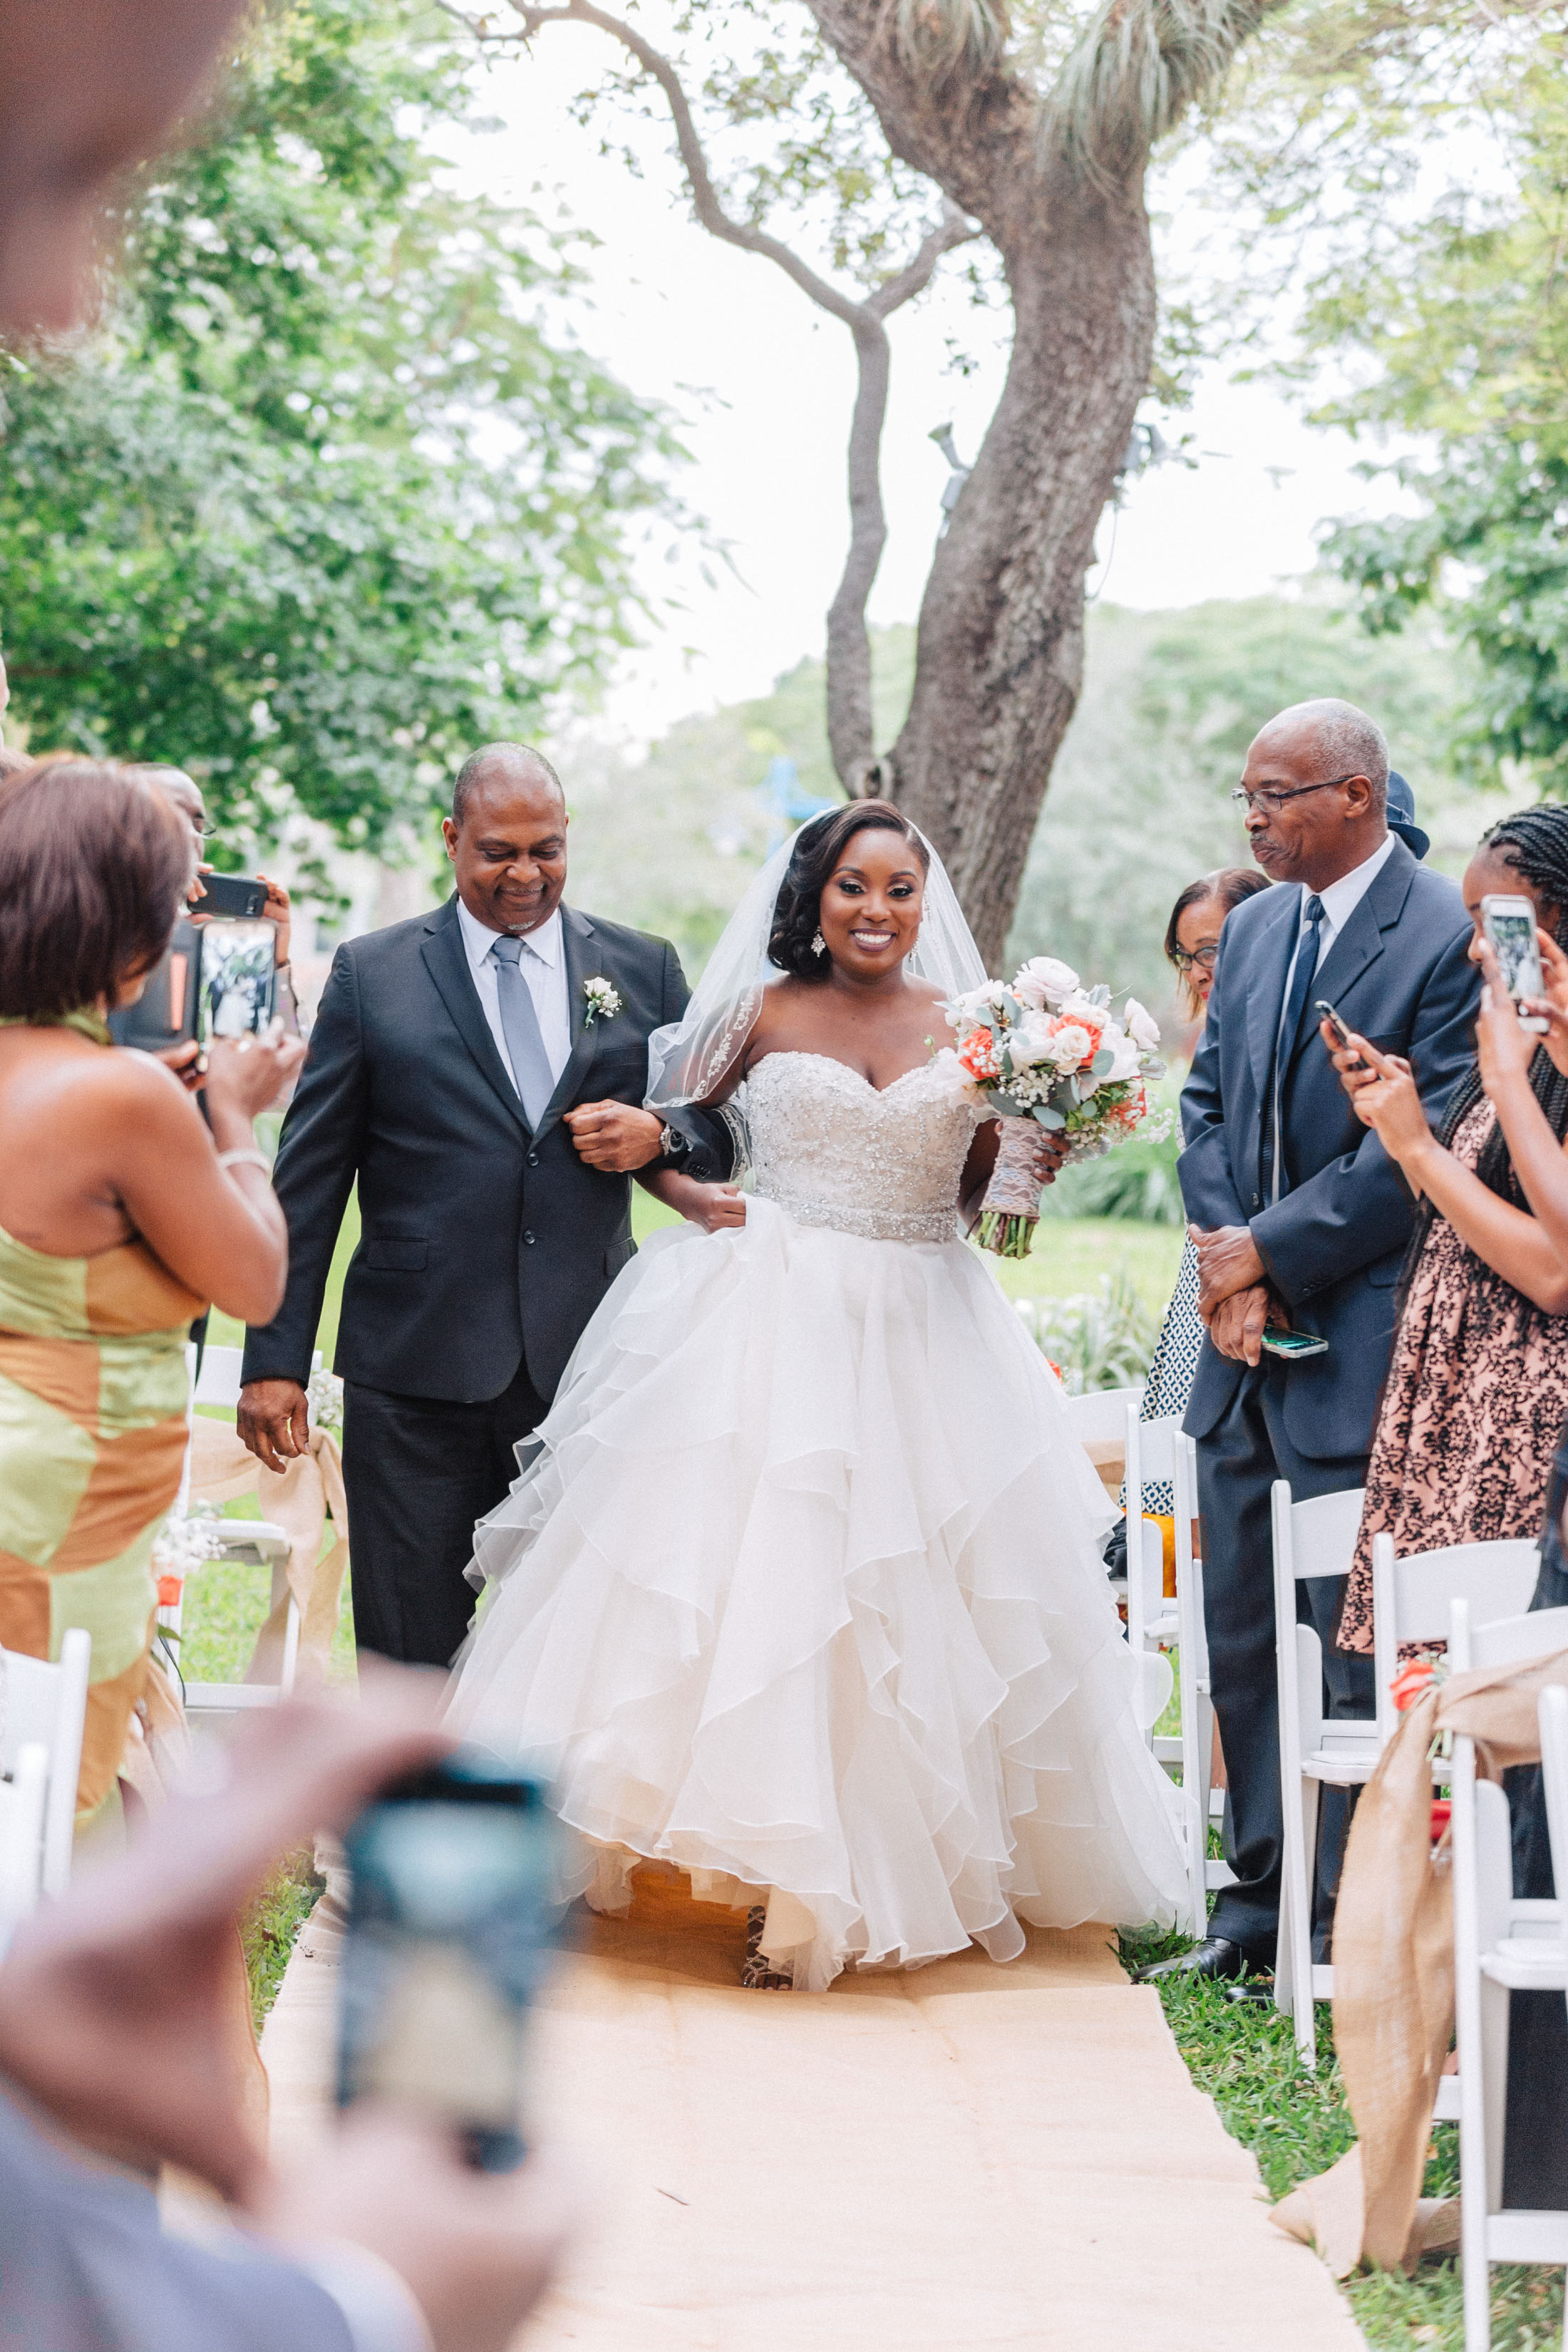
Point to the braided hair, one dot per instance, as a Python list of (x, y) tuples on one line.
[(1534, 843)]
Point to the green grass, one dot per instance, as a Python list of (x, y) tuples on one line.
[(1297, 2124), (270, 1925)]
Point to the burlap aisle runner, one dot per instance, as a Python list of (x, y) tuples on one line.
[(1393, 1969), (300, 1502)]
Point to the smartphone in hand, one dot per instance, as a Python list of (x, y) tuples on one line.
[(235, 895), (452, 1924), (1325, 1012), (1510, 926)]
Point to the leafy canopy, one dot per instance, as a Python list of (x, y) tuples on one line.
[(1407, 167), (328, 497)]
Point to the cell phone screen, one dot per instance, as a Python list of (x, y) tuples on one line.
[(1513, 937), (239, 979), (451, 1926)]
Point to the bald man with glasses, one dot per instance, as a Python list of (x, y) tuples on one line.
[(1302, 1222)]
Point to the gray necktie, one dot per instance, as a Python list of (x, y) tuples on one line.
[(531, 1070)]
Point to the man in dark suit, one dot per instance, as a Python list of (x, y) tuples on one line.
[(1302, 1221), (480, 1072)]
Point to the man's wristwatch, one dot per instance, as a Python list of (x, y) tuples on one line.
[(672, 1144)]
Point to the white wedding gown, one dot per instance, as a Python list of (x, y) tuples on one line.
[(804, 1590)]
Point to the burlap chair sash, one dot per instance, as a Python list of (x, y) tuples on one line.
[(301, 1501), (1394, 1970)]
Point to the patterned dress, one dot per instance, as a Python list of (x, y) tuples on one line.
[(92, 1441), (1174, 1368), (1472, 1409)]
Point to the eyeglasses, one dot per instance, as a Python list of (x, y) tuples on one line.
[(1208, 957), (1270, 803)]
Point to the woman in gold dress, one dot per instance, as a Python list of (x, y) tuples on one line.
[(121, 1216)]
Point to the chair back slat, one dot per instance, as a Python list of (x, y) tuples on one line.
[(1496, 1578), (1323, 1531), (1510, 1641), (218, 1382)]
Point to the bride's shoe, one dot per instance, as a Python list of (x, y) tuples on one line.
[(759, 1974)]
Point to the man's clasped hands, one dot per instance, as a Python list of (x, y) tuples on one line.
[(1235, 1298)]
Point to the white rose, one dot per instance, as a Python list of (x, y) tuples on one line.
[(1044, 982), (960, 1086), (1123, 1054), (1030, 1043), (1071, 1045), (1142, 1026)]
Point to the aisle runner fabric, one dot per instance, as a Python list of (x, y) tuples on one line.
[(967, 2155)]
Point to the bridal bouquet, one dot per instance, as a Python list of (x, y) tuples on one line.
[(1046, 1049)]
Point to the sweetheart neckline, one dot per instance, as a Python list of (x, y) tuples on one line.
[(804, 1054)]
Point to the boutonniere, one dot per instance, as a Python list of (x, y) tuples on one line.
[(601, 1002)]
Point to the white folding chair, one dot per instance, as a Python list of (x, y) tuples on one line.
[(1158, 1453), (43, 1713), (253, 1543), (1502, 1945), (1206, 1804), (1312, 1538), (1411, 1599)]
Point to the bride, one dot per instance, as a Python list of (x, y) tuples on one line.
[(801, 1591)]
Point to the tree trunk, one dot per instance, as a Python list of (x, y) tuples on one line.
[(1000, 648)]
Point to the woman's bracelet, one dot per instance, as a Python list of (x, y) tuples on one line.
[(247, 1159)]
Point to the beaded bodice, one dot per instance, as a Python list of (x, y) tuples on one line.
[(832, 1150)]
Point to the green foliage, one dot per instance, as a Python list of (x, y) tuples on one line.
[(1102, 1338), (1139, 804), (1405, 171), (1137, 1179), (272, 1922), (326, 499)]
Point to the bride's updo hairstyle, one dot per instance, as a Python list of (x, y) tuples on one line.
[(819, 846)]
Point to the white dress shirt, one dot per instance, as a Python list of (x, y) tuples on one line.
[(1339, 902), (543, 964)]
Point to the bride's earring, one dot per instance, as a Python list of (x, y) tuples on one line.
[(818, 944)]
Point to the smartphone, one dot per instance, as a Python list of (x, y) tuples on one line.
[(1509, 924), (239, 979), (235, 895), (453, 1918), (1294, 1344), (164, 1014), (1325, 1012)]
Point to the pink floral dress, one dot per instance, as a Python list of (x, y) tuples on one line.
[(1472, 1409)]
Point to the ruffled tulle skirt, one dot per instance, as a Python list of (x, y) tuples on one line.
[(803, 1592)]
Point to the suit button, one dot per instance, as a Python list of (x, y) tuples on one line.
[(1256, 1201), (533, 1159), (528, 1239)]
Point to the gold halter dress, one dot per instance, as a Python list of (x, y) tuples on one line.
[(93, 1397)]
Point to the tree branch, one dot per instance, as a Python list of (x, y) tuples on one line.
[(849, 722)]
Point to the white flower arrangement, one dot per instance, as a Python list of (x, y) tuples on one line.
[(186, 1541), (1049, 1050), (324, 1395), (603, 1002)]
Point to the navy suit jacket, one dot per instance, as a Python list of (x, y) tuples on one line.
[(1333, 1244), (484, 1246)]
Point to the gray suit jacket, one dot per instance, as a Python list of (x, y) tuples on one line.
[(85, 2267)]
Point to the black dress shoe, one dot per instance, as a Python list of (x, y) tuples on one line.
[(1216, 1958)]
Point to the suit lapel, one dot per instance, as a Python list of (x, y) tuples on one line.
[(1266, 997), (446, 961), (577, 936), (1360, 944)]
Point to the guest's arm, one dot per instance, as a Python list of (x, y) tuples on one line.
[(1359, 1208), (1507, 1051)]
